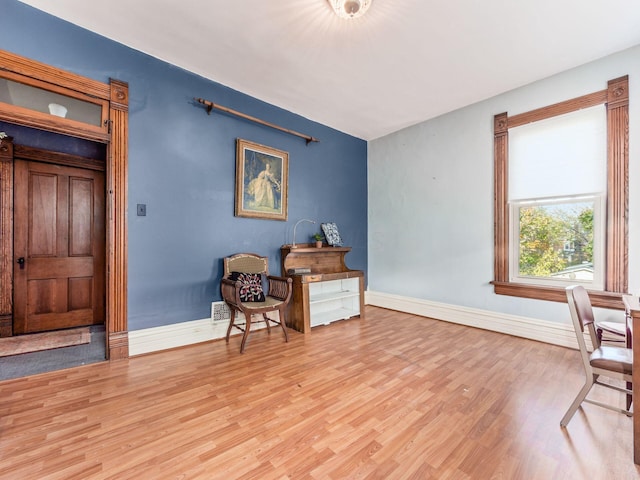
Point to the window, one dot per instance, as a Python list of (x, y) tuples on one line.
[(557, 187), (83, 109), (561, 198), (54, 102)]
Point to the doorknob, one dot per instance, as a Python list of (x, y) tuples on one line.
[(21, 263)]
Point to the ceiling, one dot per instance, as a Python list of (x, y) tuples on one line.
[(404, 62)]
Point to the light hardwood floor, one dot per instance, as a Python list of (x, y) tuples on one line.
[(395, 396)]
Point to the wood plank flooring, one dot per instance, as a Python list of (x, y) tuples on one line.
[(395, 396)]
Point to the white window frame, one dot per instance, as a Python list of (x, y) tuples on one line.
[(599, 239)]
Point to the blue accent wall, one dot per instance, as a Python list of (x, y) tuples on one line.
[(182, 166)]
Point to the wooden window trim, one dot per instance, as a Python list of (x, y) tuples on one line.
[(616, 100), (41, 76)]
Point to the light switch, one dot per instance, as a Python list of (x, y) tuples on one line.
[(142, 209)]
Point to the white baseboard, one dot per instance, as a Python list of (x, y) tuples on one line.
[(180, 334), (197, 331), (175, 335), (525, 327)]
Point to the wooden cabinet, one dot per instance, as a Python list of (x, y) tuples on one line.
[(328, 292), (632, 311)]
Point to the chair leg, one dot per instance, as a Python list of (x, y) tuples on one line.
[(247, 327), (231, 321), (266, 320), (577, 402), (284, 329), (629, 396)]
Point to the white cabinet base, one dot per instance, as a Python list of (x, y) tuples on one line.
[(333, 300)]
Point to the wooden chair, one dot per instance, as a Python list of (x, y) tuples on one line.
[(242, 290), (605, 361), (618, 332)]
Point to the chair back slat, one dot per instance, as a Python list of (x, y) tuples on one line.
[(246, 263), (582, 316), (583, 307)]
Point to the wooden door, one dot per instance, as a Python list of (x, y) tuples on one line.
[(59, 247)]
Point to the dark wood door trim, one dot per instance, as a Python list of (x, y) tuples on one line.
[(23, 152), (115, 95), (117, 197), (6, 237)]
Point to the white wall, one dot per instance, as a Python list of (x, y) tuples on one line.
[(431, 197)]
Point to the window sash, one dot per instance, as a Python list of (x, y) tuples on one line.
[(599, 228)]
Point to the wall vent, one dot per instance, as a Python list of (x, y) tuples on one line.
[(220, 312)]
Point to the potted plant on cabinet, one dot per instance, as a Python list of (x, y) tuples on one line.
[(318, 237)]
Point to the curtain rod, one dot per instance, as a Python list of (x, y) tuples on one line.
[(210, 106)]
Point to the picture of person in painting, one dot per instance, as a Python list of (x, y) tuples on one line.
[(262, 182), (264, 189)]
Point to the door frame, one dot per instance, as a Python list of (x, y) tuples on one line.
[(114, 96)]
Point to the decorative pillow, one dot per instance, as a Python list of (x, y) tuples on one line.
[(332, 234), (251, 286)]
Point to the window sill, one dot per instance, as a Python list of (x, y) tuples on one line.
[(610, 300)]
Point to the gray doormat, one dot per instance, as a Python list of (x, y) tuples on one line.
[(25, 364)]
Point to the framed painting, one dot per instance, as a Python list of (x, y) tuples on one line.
[(262, 177)]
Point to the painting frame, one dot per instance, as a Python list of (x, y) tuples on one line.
[(262, 181)]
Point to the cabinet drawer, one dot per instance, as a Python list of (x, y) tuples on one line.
[(312, 278)]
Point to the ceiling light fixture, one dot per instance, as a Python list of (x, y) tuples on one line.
[(350, 8)]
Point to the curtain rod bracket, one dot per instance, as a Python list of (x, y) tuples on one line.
[(210, 106)]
